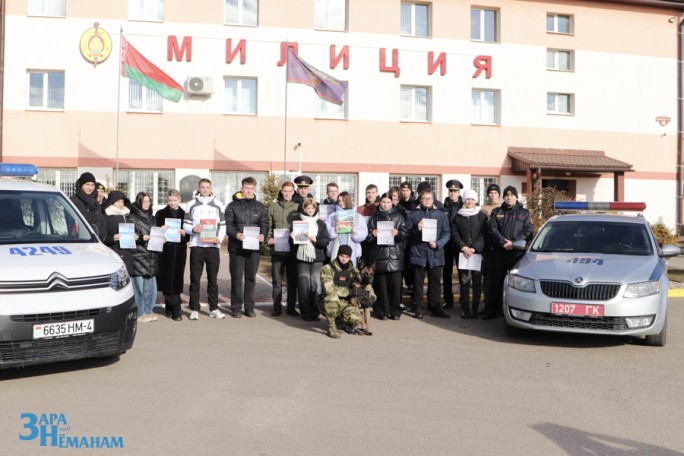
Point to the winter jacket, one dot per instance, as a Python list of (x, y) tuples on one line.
[(511, 223), (201, 208), (91, 210), (421, 254), (278, 216), (469, 231), (356, 238), (451, 208), (173, 258), (388, 258), (112, 222), (243, 212), (332, 287), (145, 262)]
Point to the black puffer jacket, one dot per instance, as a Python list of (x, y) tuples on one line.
[(511, 223), (91, 210), (241, 213), (145, 262), (388, 258), (469, 231)]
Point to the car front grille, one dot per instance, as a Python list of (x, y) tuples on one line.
[(590, 292), (56, 282), (56, 316), (44, 350), (577, 322)]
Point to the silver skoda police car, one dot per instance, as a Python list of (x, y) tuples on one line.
[(591, 273)]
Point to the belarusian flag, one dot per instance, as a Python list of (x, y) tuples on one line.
[(135, 66)]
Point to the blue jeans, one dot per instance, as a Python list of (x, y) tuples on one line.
[(145, 294)]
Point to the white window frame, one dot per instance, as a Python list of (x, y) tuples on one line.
[(479, 184), (413, 26), (242, 18), (415, 179), (479, 14), (558, 98), (479, 99), (146, 10), (150, 101), (409, 108), (553, 27), (155, 182), (553, 59), (224, 184), (326, 110), (242, 107), (47, 8), (327, 15), (46, 89), (62, 178)]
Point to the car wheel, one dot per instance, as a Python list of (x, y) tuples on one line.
[(513, 331), (658, 340)]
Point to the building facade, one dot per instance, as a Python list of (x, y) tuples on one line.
[(582, 96)]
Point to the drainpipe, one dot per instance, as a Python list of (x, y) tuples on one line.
[(680, 129)]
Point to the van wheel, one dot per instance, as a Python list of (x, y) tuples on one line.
[(658, 340)]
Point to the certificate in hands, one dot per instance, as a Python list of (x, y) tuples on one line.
[(173, 227), (385, 233), (126, 235), (474, 263), (300, 229), (429, 230), (156, 241), (209, 231), (282, 239), (251, 241)]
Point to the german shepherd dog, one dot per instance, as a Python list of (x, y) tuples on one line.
[(363, 295)]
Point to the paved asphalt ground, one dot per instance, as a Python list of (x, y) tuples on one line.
[(279, 386)]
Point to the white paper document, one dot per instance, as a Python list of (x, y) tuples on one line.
[(429, 230), (301, 231), (281, 236), (156, 241), (251, 241), (385, 233), (472, 263)]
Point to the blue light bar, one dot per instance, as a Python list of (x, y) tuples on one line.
[(598, 206), (18, 170)]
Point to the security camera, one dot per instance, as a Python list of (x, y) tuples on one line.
[(672, 20)]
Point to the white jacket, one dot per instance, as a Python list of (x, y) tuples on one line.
[(204, 208)]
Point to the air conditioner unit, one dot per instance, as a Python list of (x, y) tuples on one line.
[(198, 85)]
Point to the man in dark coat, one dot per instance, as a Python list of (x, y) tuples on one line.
[(85, 200), (303, 183), (452, 203), (509, 223), (244, 211)]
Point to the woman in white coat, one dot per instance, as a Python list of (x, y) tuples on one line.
[(336, 228)]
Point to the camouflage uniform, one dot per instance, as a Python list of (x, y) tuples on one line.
[(336, 303)]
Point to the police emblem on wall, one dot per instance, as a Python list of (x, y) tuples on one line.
[(96, 44)]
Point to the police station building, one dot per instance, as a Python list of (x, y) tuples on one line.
[(578, 95)]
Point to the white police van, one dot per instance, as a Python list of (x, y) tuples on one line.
[(64, 295)]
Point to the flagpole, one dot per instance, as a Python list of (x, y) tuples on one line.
[(287, 56), (118, 108)]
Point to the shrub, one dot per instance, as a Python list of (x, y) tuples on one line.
[(664, 235), (540, 205)]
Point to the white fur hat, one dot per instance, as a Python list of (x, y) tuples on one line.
[(470, 194)]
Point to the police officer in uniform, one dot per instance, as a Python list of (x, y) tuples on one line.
[(452, 203), (303, 184)]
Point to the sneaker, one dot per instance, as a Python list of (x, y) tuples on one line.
[(194, 315), (152, 317), (217, 314), (142, 319)]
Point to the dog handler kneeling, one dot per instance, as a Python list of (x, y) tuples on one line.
[(337, 279)]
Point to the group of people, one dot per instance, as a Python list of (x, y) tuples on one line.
[(318, 248)]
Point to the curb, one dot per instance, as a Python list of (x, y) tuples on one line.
[(675, 293)]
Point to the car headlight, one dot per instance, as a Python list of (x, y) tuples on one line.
[(521, 283), (119, 279), (641, 289)]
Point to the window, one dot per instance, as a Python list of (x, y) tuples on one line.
[(415, 103), (480, 184), (331, 15), (346, 182), (143, 99), (559, 103), (483, 25), (559, 23), (156, 183), (63, 179), (415, 19), (240, 96), (241, 12), (414, 180), (224, 184), (326, 110), (46, 90), (50, 8), (485, 107), (146, 10), (557, 59)]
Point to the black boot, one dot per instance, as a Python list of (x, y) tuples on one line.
[(473, 311), (277, 310), (465, 311)]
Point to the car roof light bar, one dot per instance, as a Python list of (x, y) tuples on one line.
[(18, 170), (598, 206)]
